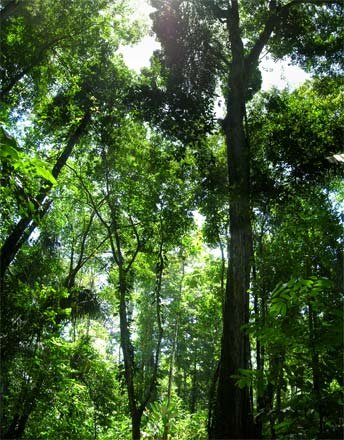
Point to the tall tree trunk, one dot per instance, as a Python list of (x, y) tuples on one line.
[(233, 415)]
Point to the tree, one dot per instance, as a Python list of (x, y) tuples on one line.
[(289, 320), (290, 189), (45, 38), (111, 312), (133, 201), (247, 33)]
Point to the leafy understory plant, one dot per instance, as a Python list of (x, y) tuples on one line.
[(170, 420), (297, 291)]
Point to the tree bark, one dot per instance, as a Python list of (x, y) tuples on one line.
[(136, 425), (24, 409), (233, 415), (317, 382), (128, 357), (128, 354), (193, 401), (136, 407)]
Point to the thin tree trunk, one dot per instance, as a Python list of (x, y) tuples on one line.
[(315, 365), (260, 369), (193, 389), (212, 402), (26, 406), (269, 405), (174, 349), (170, 377), (172, 358), (136, 408), (128, 354), (259, 317)]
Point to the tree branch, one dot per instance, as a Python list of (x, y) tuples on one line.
[(96, 207), (221, 14), (253, 56), (312, 2), (84, 237), (73, 270), (114, 225), (71, 277), (272, 22), (138, 246), (233, 25)]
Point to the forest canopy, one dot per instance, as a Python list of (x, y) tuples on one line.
[(167, 273)]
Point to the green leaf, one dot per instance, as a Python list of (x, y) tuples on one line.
[(6, 139), (8, 151), (46, 174), (278, 308)]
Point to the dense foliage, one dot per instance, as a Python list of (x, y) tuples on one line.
[(117, 225)]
